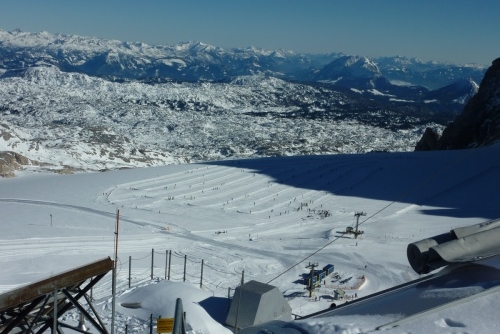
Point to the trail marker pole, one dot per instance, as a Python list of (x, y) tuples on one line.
[(113, 300), (169, 263), (129, 270), (185, 263), (152, 261), (201, 275), (166, 263)]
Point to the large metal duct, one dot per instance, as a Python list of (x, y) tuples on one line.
[(465, 244)]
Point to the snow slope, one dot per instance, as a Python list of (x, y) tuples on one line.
[(86, 123), (265, 217)]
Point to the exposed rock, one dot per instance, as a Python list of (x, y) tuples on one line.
[(429, 140), (10, 162), (479, 123), (4, 134), (68, 170)]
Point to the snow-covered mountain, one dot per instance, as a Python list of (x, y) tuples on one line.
[(190, 61), (77, 121), (433, 75), (479, 123), (195, 61), (456, 94), (350, 67), (87, 103)]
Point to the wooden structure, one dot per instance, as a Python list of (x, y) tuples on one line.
[(36, 308)]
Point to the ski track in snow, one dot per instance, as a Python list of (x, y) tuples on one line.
[(262, 221), (16, 249)]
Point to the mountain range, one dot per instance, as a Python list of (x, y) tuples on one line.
[(83, 103), (196, 61), (479, 123)]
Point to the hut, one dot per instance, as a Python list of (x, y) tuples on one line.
[(255, 303), (328, 269)]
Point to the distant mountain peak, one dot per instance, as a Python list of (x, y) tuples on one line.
[(479, 123), (349, 68), (195, 61), (194, 45)]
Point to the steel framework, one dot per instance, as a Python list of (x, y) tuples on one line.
[(36, 307)]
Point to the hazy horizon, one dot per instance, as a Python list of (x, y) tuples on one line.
[(445, 31)]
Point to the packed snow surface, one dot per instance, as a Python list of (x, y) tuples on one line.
[(265, 219)]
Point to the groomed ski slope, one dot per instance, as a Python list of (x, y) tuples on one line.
[(266, 217)]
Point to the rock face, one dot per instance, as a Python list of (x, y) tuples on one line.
[(479, 123), (10, 162), (428, 141)]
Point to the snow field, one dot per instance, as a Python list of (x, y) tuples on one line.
[(266, 217)]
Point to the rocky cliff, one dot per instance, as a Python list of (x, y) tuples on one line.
[(479, 123), (10, 162)]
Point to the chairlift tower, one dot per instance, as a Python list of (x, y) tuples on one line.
[(311, 286), (358, 214)]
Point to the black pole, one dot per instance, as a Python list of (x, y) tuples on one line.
[(166, 263), (237, 309), (185, 262), (201, 276), (129, 270), (152, 261), (169, 263), (357, 224)]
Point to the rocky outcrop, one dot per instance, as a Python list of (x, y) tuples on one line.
[(428, 141), (479, 123), (10, 162)]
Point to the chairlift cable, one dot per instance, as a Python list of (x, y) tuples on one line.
[(401, 197)]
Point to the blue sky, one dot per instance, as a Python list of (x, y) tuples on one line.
[(454, 31)]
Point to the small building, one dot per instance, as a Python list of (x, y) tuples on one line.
[(307, 280), (318, 275), (321, 276), (338, 294), (328, 269), (255, 303), (315, 276)]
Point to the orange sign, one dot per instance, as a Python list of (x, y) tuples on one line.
[(164, 325)]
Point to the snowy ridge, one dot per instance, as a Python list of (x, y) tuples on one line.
[(350, 67), (91, 104), (196, 61), (73, 120)]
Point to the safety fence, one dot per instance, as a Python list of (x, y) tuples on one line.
[(178, 267), (167, 265)]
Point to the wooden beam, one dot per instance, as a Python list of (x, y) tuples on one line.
[(66, 279)]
